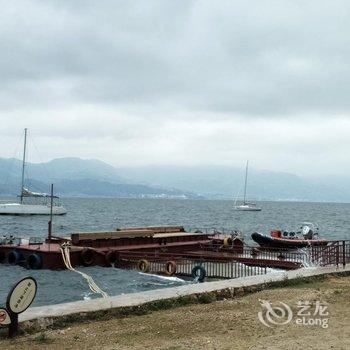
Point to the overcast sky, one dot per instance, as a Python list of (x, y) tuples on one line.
[(178, 82)]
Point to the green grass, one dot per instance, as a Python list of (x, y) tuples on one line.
[(42, 338)]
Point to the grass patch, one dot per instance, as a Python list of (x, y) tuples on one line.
[(42, 338), (299, 282), (206, 298), (338, 291)]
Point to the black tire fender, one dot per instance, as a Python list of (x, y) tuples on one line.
[(87, 256), (199, 273), (35, 261), (15, 257), (112, 257)]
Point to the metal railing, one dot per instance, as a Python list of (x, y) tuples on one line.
[(213, 269), (18, 241), (335, 253), (268, 253), (214, 231)]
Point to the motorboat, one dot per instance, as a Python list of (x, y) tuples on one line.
[(306, 237)]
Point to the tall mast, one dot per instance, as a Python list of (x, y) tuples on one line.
[(51, 213), (245, 183), (24, 162)]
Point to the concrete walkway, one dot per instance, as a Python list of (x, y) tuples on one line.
[(135, 299)]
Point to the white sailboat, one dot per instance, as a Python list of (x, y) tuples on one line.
[(246, 206), (32, 203)]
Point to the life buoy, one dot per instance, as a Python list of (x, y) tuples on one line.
[(112, 257), (144, 265), (15, 258), (35, 261), (228, 242), (199, 273), (170, 268), (87, 256)]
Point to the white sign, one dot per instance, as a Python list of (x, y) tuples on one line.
[(22, 295), (4, 317)]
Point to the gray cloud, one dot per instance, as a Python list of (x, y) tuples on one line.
[(248, 57), (179, 82)]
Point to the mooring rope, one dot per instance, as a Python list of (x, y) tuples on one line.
[(65, 250)]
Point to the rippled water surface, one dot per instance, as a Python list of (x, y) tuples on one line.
[(89, 214)]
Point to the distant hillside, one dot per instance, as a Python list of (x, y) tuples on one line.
[(90, 177), (228, 182), (78, 177), (62, 168)]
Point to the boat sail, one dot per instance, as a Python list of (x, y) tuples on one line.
[(246, 206), (31, 203)]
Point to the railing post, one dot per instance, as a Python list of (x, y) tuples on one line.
[(344, 258), (337, 254)]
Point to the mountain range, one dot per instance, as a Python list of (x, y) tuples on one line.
[(91, 177), (78, 177), (228, 182)]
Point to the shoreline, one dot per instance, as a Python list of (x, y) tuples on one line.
[(226, 288), (207, 320)]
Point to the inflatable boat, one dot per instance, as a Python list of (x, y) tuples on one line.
[(308, 236)]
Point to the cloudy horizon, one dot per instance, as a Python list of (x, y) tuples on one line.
[(182, 83)]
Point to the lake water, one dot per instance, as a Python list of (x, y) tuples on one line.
[(99, 214)]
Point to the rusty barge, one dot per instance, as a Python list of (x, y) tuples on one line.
[(110, 248), (164, 249)]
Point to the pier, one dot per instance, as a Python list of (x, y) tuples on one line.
[(168, 250)]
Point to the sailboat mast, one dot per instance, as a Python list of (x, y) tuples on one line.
[(245, 183), (24, 162), (49, 237)]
